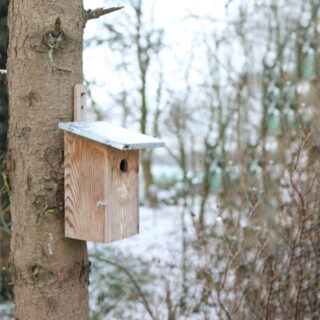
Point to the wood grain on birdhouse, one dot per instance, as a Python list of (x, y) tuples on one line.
[(101, 190), (101, 178)]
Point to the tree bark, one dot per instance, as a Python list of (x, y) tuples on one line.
[(146, 162), (50, 272)]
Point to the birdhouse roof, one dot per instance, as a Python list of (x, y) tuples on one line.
[(111, 135)]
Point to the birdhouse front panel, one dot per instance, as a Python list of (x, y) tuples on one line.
[(102, 180), (123, 193), (101, 190)]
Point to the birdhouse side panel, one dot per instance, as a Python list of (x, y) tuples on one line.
[(123, 194), (85, 189)]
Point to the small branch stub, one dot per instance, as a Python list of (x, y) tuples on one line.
[(96, 13), (53, 39)]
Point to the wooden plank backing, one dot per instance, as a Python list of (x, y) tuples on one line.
[(80, 102), (101, 201)]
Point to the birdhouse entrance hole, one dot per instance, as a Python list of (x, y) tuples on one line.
[(123, 165)]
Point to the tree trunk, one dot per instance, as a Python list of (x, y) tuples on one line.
[(146, 162), (50, 272)]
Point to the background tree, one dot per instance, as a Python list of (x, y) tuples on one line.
[(4, 202), (138, 44), (246, 139)]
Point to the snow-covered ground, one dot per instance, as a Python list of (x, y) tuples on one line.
[(159, 237), (158, 244), (159, 241)]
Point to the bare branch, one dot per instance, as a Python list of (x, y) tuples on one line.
[(222, 306), (96, 13), (3, 225), (133, 281), (6, 230)]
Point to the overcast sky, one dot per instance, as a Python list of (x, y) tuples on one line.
[(180, 35)]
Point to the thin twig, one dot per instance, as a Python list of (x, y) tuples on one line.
[(222, 306), (3, 225), (3, 75), (133, 281), (303, 210), (4, 229), (225, 274), (269, 298), (96, 13)]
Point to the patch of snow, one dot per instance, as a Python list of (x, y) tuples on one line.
[(160, 233), (111, 135)]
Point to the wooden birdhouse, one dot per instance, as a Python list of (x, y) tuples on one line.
[(102, 180)]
